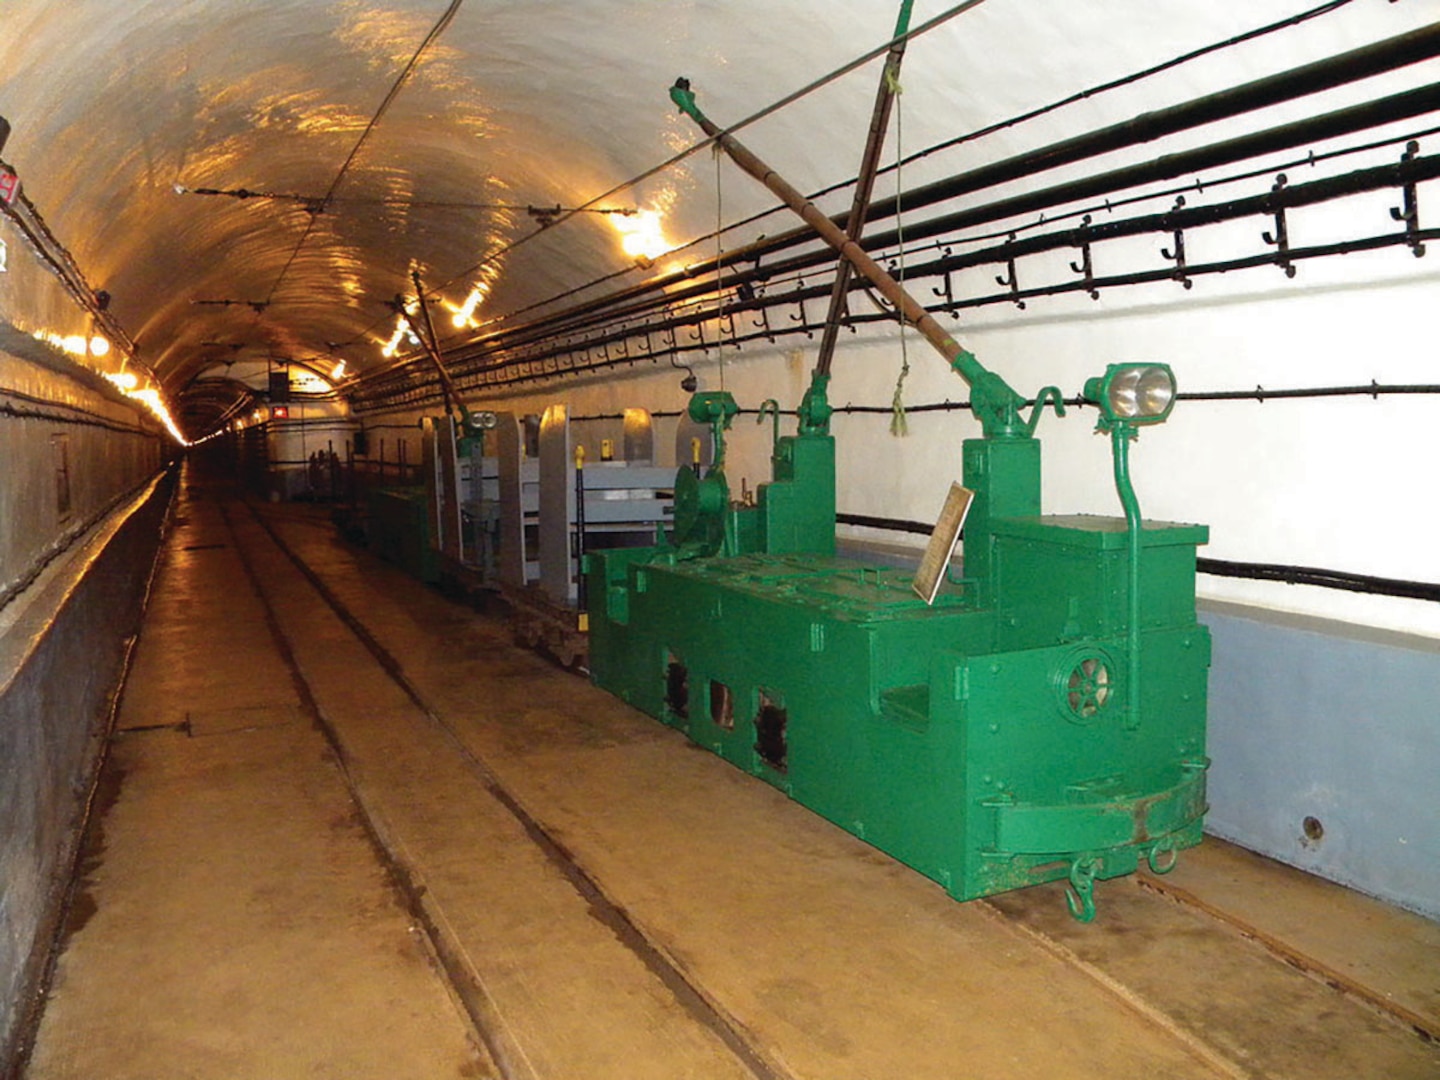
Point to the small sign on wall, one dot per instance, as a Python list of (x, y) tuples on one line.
[(9, 187)]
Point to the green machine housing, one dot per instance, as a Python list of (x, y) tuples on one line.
[(1025, 727)]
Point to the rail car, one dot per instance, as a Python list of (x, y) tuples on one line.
[(1023, 725), (510, 504), (1040, 718)]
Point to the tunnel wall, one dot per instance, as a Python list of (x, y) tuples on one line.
[(80, 518), (70, 454), (1323, 742)]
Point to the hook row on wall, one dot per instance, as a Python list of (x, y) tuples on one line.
[(674, 329), (1282, 198)]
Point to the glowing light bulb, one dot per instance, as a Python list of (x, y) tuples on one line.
[(393, 345), (99, 346), (466, 311), (642, 234)]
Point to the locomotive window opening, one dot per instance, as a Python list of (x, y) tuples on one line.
[(770, 737), (722, 705), (677, 686)]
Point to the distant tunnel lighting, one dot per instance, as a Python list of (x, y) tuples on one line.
[(338, 371), (642, 235), (151, 398), (127, 382), (74, 344)]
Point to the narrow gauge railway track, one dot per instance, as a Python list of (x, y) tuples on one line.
[(751, 1054), (1425, 1027), (510, 1059)]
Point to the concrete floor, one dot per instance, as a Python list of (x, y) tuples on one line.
[(309, 867)]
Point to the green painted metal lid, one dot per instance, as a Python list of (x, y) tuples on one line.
[(1097, 532), (838, 588)]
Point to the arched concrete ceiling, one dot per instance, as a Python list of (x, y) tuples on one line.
[(515, 103)]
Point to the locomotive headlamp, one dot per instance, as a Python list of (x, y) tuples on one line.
[(1133, 393), (481, 421)]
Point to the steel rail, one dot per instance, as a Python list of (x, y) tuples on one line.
[(688, 994)]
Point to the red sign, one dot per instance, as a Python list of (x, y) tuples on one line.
[(9, 186), (280, 412)]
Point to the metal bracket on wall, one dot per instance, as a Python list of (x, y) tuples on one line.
[(948, 293), (1008, 279), (803, 318), (1176, 253), (1280, 238), (1410, 214), (1085, 268)]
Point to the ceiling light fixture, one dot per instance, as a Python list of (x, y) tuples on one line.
[(643, 237), (466, 311), (403, 331)]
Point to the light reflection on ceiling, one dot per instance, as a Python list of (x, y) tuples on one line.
[(518, 103)]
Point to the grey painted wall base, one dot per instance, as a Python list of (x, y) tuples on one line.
[(1325, 749), (62, 644)]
